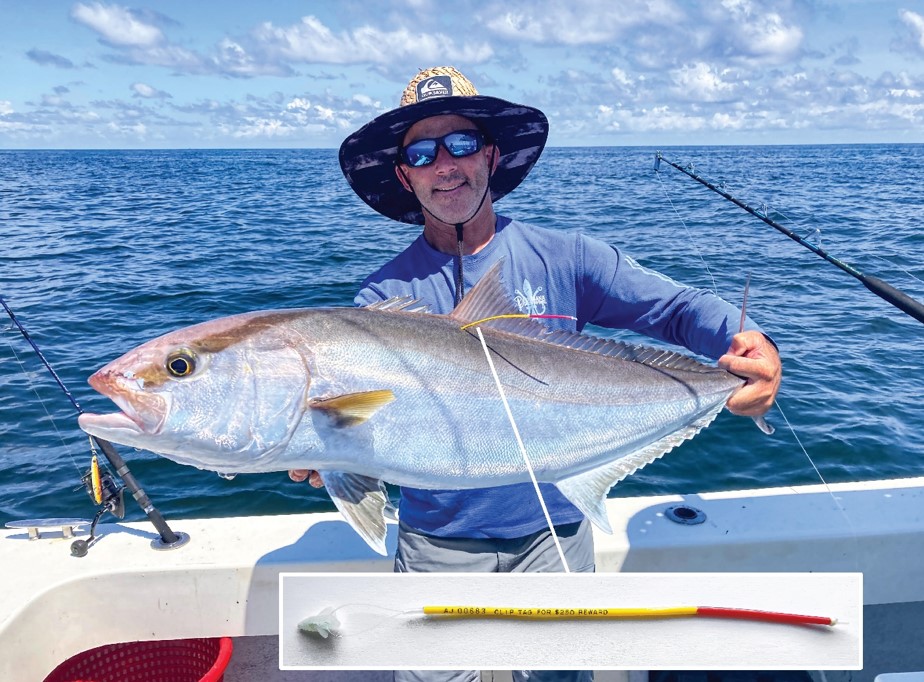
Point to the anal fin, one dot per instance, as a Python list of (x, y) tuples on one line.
[(362, 501), (587, 491)]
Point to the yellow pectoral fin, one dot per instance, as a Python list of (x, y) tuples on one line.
[(352, 409)]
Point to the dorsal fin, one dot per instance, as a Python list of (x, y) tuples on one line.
[(646, 355), (486, 299)]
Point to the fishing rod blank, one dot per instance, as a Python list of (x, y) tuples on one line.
[(885, 291), (168, 539)]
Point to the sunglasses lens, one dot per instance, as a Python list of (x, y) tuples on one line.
[(420, 153), (458, 144), (463, 143)]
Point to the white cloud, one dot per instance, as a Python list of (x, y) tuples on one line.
[(620, 76), (16, 126), (138, 130), (701, 83), (756, 33), (269, 49), (147, 92), (607, 117), (664, 118), (135, 41), (604, 72), (171, 56), (312, 42), (366, 101), (795, 80), (728, 121), (655, 119), (53, 101), (299, 110), (262, 127), (325, 113), (117, 25), (579, 22), (915, 22), (140, 42), (522, 27), (657, 34), (232, 58), (299, 104)]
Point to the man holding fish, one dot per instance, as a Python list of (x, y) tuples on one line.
[(387, 392), (442, 159)]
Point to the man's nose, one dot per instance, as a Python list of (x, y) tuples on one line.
[(444, 160)]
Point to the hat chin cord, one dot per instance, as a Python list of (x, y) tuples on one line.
[(460, 282)]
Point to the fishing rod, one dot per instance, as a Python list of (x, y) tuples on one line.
[(883, 290), (168, 539)]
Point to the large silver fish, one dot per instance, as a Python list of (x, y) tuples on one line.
[(387, 393)]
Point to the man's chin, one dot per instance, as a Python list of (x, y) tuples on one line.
[(452, 207)]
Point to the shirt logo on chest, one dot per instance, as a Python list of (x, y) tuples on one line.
[(529, 301)]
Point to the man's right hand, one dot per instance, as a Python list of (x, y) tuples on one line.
[(314, 478)]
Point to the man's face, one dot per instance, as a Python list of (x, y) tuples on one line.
[(451, 188)]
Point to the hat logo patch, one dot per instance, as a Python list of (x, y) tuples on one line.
[(436, 86)]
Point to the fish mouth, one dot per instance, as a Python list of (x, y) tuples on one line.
[(142, 413), (109, 426)]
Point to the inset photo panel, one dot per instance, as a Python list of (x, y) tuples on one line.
[(555, 621)]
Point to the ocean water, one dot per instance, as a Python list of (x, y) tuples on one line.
[(102, 250)]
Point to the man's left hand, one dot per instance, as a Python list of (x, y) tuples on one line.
[(753, 358)]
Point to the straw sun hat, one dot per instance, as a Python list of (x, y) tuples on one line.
[(368, 156)]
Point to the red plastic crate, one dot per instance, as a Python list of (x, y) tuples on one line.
[(178, 660)]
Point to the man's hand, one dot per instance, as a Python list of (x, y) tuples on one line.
[(314, 478), (753, 358)]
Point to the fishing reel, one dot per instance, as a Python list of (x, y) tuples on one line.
[(108, 496)]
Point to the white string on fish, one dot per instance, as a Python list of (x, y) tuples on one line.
[(529, 466)]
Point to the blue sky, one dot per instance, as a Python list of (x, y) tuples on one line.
[(171, 74)]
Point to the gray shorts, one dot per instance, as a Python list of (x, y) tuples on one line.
[(421, 553)]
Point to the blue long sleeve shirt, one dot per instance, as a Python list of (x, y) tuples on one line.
[(547, 272)]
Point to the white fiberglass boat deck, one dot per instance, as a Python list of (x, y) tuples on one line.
[(224, 581)]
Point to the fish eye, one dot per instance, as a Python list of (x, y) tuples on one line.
[(181, 363)]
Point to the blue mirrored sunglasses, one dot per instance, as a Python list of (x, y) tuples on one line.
[(458, 143)]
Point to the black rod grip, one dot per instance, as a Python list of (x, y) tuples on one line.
[(896, 297), (115, 459)]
